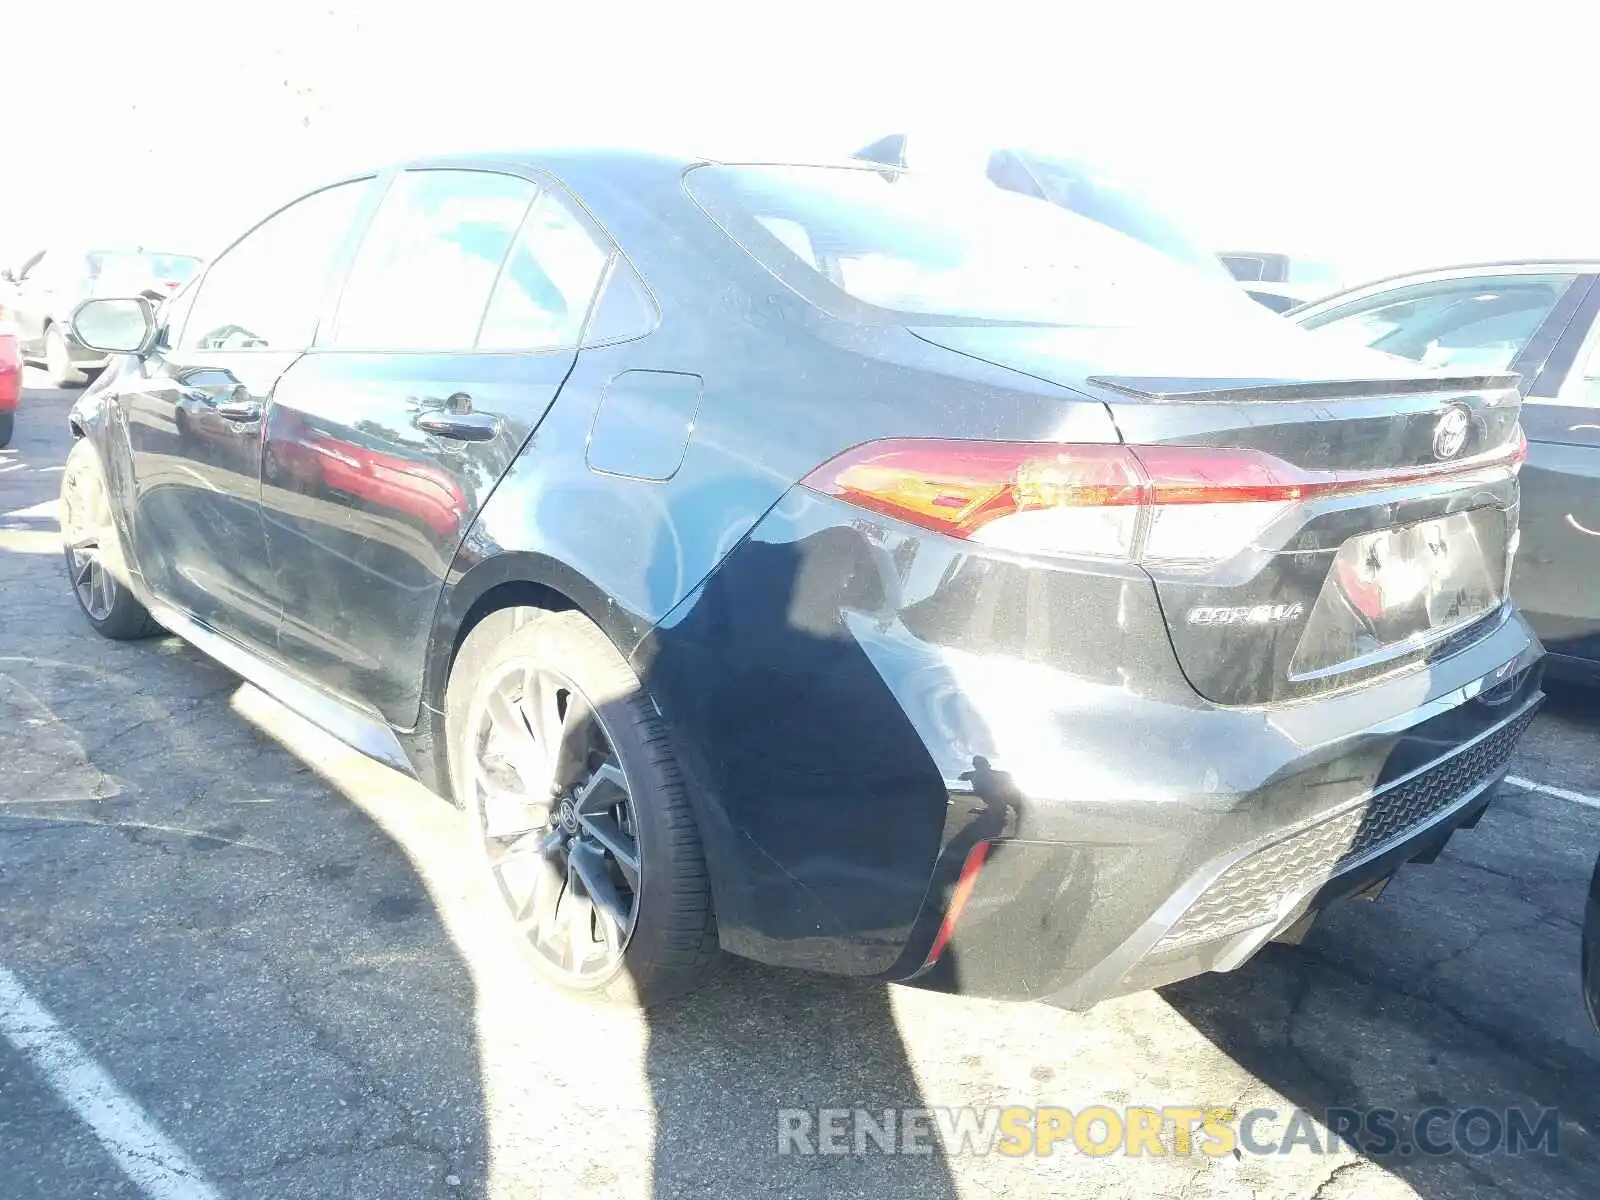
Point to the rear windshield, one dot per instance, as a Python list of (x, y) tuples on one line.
[(933, 248)]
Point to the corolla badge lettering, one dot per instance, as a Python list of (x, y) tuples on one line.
[(1250, 614)]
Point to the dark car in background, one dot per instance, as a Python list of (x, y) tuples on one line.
[(1536, 319), (844, 568), (47, 285)]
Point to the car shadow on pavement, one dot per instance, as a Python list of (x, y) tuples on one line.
[(725, 1063)]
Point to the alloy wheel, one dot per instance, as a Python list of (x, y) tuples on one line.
[(97, 590), (82, 510), (556, 817)]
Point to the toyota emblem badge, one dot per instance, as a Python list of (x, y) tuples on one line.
[(1450, 434)]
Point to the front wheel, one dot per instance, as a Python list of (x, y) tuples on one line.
[(94, 562), (8, 424), (58, 360), (577, 809)]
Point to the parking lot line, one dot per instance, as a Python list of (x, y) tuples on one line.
[(144, 1153), (1559, 793)]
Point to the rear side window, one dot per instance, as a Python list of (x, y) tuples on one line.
[(266, 290), (936, 248), (547, 284), (1478, 324), (428, 263)]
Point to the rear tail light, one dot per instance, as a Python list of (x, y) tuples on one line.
[(1167, 504)]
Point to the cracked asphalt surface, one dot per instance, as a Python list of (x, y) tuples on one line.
[(276, 948)]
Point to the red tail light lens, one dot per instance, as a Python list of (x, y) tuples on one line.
[(1020, 495), (958, 487), (1169, 503)]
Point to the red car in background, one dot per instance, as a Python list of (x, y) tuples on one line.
[(10, 380)]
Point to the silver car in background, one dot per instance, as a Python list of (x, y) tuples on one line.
[(47, 285)]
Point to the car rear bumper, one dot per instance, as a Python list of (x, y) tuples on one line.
[(1014, 940)]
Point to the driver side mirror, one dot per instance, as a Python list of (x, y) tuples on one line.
[(115, 326)]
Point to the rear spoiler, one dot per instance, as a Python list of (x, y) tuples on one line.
[(1245, 389)]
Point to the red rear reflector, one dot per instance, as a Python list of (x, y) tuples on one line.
[(958, 900)]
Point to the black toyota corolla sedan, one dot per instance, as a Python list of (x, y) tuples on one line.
[(827, 565)]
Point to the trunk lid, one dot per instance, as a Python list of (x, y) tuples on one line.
[(1320, 516)]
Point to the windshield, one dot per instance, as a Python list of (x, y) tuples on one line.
[(930, 247), (1095, 195)]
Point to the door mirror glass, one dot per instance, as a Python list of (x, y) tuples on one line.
[(114, 326)]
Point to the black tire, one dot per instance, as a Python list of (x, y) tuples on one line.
[(58, 359), (8, 425), (672, 945), (97, 579)]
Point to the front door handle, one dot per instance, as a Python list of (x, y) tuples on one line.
[(462, 426)]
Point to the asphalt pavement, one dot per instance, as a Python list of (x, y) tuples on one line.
[(237, 960)]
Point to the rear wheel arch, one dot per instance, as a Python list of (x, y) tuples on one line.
[(504, 582), (523, 579)]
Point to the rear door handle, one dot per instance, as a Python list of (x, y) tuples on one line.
[(463, 427)]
